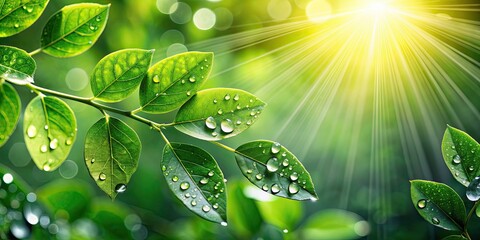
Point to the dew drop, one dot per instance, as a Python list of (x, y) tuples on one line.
[(265, 188), (175, 178), (189, 93), (227, 126), (227, 97), (16, 25), (43, 148), (156, 79), (46, 127), (187, 195), (224, 224), (239, 122), (214, 134), (98, 19), (93, 27), (93, 160), (54, 144), (285, 230), (435, 221), (275, 188), (215, 206), (457, 159), (249, 171), (184, 185), (473, 190), (285, 162), (193, 203), (249, 122), (31, 131), (192, 79), (204, 181), (120, 188), (293, 188), (210, 123), (272, 165), (183, 81), (294, 176), (214, 101), (259, 176), (69, 141), (206, 208), (276, 148), (164, 168), (236, 98), (210, 174), (471, 168), (220, 111), (422, 203), (102, 177)]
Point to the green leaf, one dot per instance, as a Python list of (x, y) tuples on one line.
[(461, 154), (334, 224), (10, 107), (274, 169), (74, 29), (439, 204), (119, 74), (455, 237), (196, 180), (243, 222), (50, 129), (172, 81), (18, 15), (112, 150), (477, 211), (281, 212), (66, 199), (110, 218), (218, 113), (16, 65)]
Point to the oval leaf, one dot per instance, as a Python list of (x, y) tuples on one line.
[(16, 65), (439, 204), (218, 113), (274, 169), (461, 154), (50, 129), (244, 223), (119, 74), (112, 150), (10, 107), (172, 81), (195, 178), (74, 29), (17, 15)]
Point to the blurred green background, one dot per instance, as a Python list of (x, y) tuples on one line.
[(360, 156)]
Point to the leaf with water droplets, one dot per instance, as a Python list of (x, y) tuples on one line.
[(50, 129), (461, 154), (274, 169), (191, 165), (172, 81), (119, 74), (16, 66), (455, 237), (439, 204), (18, 15), (10, 107), (74, 29), (210, 116), (112, 150)]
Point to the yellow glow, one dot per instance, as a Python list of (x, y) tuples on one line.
[(378, 8)]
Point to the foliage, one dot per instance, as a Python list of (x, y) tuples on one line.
[(439, 204), (112, 148)]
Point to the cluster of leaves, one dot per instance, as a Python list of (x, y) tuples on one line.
[(112, 148), (438, 203)]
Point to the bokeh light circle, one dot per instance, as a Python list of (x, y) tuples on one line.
[(204, 19), (76, 79), (318, 10)]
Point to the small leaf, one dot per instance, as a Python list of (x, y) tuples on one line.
[(274, 169), (439, 204), (50, 129), (334, 224), (119, 74), (16, 65), (455, 237), (112, 150), (18, 15), (195, 178), (461, 154), (111, 219), (243, 223), (218, 113), (172, 81), (74, 29), (10, 107)]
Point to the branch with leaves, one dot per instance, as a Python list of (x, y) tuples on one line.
[(438, 203), (112, 148)]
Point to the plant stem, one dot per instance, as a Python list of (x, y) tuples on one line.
[(35, 51), (224, 146), (470, 214)]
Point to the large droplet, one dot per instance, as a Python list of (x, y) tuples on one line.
[(293, 188), (422, 203), (285, 162), (204, 181), (272, 165), (210, 123), (276, 147), (31, 131), (192, 79), (210, 174), (102, 176), (206, 208), (275, 188), (120, 188), (184, 186), (54, 144), (156, 79), (473, 190), (294, 176), (265, 187), (435, 221), (457, 159), (227, 126), (175, 178)]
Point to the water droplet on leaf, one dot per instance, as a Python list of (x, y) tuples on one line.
[(210, 174), (206, 208), (120, 188), (210, 123), (193, 203), (102, 176), (435, 221), (422, 203), (54, 144), (259, 176), (473, 190), (293, 188), (69, 141), (227, 97), (156, 79), (236, 98), (272, 165), (276, 147), (294, 176), (457, 159), (227, 126), (43, 148), (191, 79), (204, 181), (175, 178), (275, 188), (31, 131), (184, 185)]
